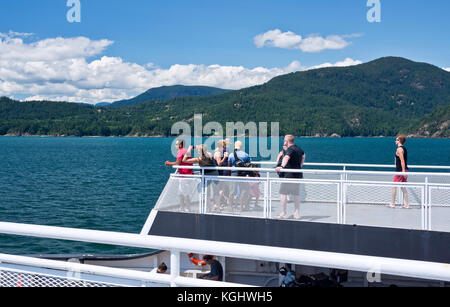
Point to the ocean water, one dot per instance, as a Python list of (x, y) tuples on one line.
[(113, 183)]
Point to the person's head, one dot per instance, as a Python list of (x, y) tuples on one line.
[(238, 145), (222, 144), (208, 259), (202, 150), (289, 140), (179, 143), (401, 139), (162, 268)]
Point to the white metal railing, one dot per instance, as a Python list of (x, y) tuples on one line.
[(345, 166), (344, 189), (381, 265), (108, 275)]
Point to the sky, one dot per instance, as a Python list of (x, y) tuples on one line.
[(119, 49)]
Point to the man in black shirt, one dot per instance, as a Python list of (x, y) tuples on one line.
[(293, 159), (216, 269)]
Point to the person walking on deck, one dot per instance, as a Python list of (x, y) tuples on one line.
[(401, 165)]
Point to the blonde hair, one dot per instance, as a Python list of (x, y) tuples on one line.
[(290, 138), (222, 144), (238, 145), (202, 150)]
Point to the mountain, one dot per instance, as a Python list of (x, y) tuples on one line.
[(169, 92), (103, 104), (382, 97), (437, 124)]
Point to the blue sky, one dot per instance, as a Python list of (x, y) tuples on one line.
[(205, 33)]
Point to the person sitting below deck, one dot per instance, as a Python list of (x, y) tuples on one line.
[(162, 268), (216, 272)]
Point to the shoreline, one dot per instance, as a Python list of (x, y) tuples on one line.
[(162, 136)]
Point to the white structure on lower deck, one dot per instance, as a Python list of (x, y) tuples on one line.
[(344, 224)]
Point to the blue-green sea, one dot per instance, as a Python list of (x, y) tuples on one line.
[(113, 183)]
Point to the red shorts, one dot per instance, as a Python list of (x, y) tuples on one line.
[(400, 178)]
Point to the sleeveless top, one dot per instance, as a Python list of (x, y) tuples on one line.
[(398, 162), (206, 161), (279, 162), (224, 163)]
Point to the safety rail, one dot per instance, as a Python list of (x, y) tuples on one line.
[(355, 165), (333, 196), (22, 271)]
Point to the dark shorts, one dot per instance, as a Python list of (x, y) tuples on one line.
[(290, 189)]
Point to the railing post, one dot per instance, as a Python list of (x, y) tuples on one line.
[(344, 197), (423, 209), (269, 213), (427, 204), (174, 267), (266, 196), (202, 193), (341, 199)]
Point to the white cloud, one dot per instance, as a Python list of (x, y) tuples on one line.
[(447, 69), (276, 38), (15, 34), (312, 43), (73, 69), (318, 43), (13, 48), (345, 63)]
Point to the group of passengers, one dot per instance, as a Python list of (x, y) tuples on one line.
[(289, 161), (226, 193)]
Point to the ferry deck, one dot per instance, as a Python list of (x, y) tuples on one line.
[(345, 223)]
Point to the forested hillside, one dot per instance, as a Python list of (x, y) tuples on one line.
[(382, 97)]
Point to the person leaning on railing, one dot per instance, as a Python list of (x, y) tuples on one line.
[(205, 159), (280, 160), (293, 159), (221, 156), (239, 189), (184, 186)]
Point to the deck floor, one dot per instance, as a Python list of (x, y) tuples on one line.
[(358, 214)]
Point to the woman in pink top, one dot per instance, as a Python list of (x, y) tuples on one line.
[(184, 187)]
